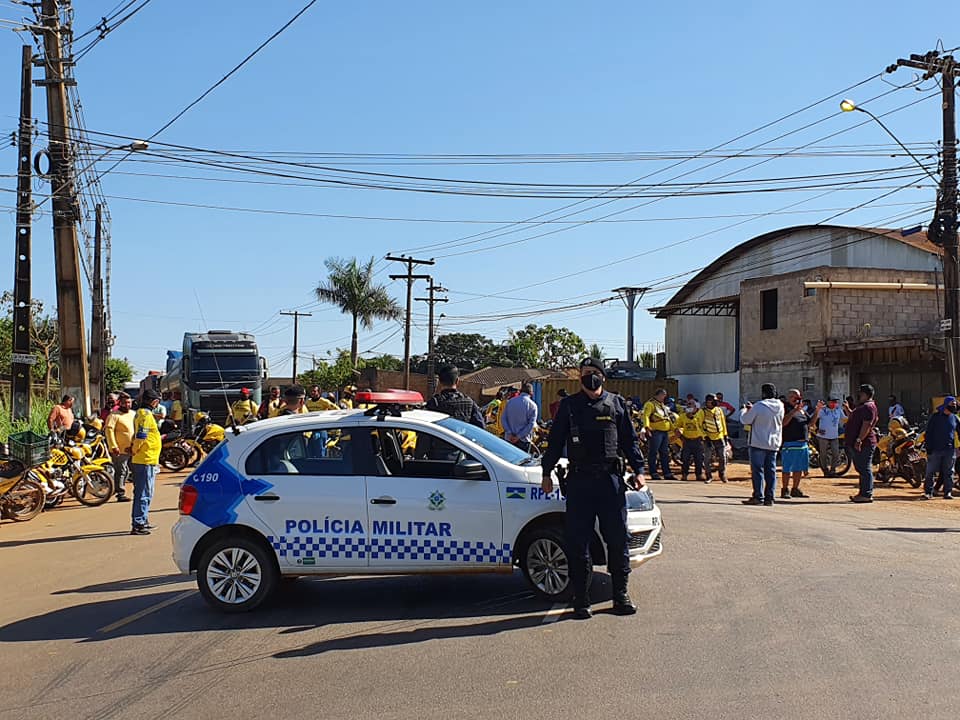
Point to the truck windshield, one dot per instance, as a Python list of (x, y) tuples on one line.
[(226, 363), (488, 441)]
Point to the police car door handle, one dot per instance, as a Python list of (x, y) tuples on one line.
[(266, 498), (383, 501)]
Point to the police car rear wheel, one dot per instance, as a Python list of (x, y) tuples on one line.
[(545, 565), (236, 575)]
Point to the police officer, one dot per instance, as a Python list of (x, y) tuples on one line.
[(595, 427)]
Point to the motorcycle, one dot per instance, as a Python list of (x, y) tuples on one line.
[(175, 452), (843, 460), (899, 455), (21, 498), (205, 437), (76, 473)]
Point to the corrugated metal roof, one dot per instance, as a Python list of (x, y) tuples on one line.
[(490, 376)]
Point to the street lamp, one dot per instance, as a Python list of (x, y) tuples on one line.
[(131, 147), (847, 105)]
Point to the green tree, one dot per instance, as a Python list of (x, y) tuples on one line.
[(546, 347), (468, 351), (330, 375), (351, 288), (646, 359), (383, 362), (117, 373), (595, 351), (44, 341)]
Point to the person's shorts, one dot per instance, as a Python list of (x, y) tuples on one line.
[(795, 456)]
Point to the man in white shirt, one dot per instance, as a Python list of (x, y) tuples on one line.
[(766, 435), (894, 409)]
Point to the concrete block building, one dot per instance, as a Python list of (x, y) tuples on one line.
[(820, 308)]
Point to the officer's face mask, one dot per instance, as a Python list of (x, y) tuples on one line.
[(592, 381)]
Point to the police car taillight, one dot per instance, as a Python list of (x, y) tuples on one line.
[(389, 397), (188, 499)]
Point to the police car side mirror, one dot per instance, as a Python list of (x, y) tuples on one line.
[(470, 470)]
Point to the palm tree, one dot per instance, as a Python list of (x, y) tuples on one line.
[(350, 287), (596, 351)]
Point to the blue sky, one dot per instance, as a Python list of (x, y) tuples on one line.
[(448, 78)]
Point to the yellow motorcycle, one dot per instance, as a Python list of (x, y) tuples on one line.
[(21, 498), (70, 469)]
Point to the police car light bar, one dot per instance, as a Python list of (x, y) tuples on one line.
[(389, 397)]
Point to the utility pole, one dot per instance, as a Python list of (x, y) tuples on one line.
[(98, 359), (296, 315), (22, 360), (432, 300), (631, 298), (74, 370), (409, 277), (943, 229)]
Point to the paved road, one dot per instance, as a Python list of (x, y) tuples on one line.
[(812, 610)]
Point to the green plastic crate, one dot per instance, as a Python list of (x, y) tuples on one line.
[(30, 448)]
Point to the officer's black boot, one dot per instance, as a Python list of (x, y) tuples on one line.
[(581, 609), (622, 604)]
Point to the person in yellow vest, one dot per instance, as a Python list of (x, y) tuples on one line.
[(271, 408), (715, 436), (245, 409), (316, 401), (346, 397), (146, 458), (657, 422), (690, 427), (176, 409)]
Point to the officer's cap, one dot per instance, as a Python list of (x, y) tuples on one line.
[(594, 363)]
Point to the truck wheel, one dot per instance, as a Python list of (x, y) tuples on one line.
[(543, 559), (236, 575)]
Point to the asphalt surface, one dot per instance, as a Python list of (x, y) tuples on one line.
[(809, 609)]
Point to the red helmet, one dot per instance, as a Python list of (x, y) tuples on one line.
[(244, 391)]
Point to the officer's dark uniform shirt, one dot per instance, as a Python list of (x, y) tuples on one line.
[(604, 428), (454, 403)]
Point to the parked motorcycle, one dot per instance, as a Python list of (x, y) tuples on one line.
[(843, 460), (175, 452), (76, 473), (21, 498), (899, 455)]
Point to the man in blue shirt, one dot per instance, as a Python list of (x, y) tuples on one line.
[(519, 418), (828, 418), (941, 447)]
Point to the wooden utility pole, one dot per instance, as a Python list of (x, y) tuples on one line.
[(74, 370), (22, 359), (410, 278), (296, 315), (98, 348), (943, 229), (431, 359)]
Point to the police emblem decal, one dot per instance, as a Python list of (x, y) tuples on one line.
[(436, 499), (516, 493)]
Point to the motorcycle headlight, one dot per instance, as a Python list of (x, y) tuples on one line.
[(640, 500)]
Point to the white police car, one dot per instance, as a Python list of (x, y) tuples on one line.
[(354, 492)]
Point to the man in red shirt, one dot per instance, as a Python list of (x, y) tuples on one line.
[(724, 405), (861, 440)]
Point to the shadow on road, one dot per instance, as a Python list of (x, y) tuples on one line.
[(64, 538), (299, 605), (914, 529), (131, 584)]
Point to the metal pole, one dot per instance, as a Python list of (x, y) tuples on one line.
[(97, 359), (20, 370), (296, 315)]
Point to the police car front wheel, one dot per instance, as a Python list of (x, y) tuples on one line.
[(543, 559), (236, 575)]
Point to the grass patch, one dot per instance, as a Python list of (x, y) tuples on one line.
[(39, 411)]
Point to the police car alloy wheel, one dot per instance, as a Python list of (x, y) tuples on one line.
[(545, 565), (236, 575)]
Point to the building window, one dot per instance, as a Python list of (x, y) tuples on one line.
[(807, 384), (809, 292), (768, 309)]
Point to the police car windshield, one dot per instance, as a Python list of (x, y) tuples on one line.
[(488, 441)]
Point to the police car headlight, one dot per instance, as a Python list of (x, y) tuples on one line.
[(640, 500)]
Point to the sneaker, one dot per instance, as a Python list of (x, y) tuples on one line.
[(927, 496), (798, 493), (861, 499), (122, 498), (623, 605), (723, 477), (708, 480), (149, 526), (768, 503), (948, 496), (139, 530), (654, 477), (785, 494), (752, 501), (669, 477)]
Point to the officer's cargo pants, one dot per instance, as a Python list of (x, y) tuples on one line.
[(591, 497)]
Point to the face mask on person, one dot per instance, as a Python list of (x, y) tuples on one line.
[(953, 409), (592, 382)]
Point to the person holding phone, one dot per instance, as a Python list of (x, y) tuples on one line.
[(795, 454)]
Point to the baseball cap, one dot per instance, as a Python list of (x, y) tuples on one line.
[(244, 391), (592, 362), (948, 400), (150, 395)]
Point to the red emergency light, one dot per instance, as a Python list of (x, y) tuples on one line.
[(389, 397)]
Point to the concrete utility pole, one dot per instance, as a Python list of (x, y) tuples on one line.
[(22, 360), (296, 315), (431, 360), (943, 229), (74, 370), (98, 359), (409, 277), (631, 298)]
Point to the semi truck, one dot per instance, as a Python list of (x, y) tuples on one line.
[(214, 367)]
